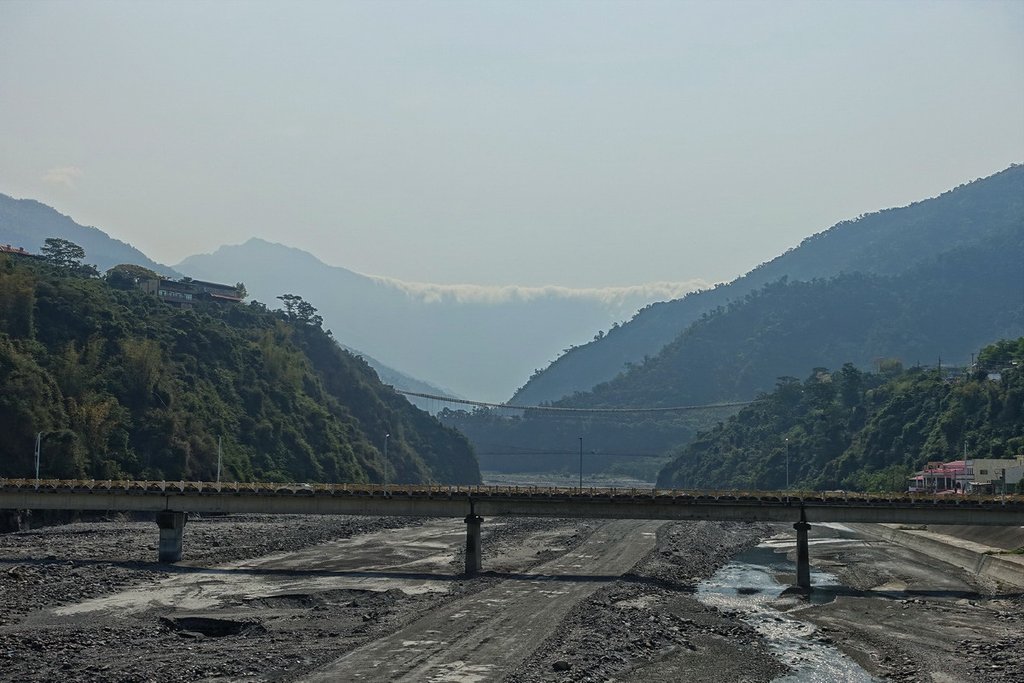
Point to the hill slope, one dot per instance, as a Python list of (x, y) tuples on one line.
[(885, 243), (945, 307), (123, 385), (26, 223), (853, 430)]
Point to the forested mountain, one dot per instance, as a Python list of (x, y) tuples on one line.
[(888, 242), (862, 431), (944, 307), (27, 223), (947, 307), (123, 385)]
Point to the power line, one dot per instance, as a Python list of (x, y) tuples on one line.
[(557, 409)]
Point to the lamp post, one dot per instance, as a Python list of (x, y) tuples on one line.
[(787, 462), (220, 456), (386, 435), (39, 439)]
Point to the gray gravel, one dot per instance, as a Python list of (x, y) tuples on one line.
[(649, 627)]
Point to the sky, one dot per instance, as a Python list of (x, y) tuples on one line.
[(536, 142)]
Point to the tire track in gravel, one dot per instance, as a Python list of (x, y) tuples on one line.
[(483, 635)]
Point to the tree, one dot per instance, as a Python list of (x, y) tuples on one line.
[(851, 380), (290, 302), (240, 289), (128, 275), (298, 309), (63, 253), (306, 313)]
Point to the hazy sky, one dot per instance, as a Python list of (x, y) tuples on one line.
[(550, 142)]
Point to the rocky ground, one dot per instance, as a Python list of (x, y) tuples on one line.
[(907, 617), (901, 617), (650, 627)]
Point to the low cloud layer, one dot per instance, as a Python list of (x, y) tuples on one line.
[(612, 297), (63, 175)]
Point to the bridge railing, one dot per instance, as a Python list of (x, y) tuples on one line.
[(482, 491)]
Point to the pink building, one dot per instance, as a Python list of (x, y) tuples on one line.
[(941, 477)]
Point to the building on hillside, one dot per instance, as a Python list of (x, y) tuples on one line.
[(216, 291), (184, 293), (17, 251), (979, 475)]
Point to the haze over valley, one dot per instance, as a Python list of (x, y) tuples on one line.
[(512, 341)]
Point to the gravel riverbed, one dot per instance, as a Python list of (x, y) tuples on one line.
[(902, 618)]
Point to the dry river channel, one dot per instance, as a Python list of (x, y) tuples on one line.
[(261, 598)]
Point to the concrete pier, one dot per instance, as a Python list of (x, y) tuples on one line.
[(803, 556), (172, 531), (473, 550)]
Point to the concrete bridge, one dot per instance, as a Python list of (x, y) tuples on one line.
[(171, 501)]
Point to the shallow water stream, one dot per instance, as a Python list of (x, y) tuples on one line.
[(747, 586)]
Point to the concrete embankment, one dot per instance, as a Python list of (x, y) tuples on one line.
[(983, 560)]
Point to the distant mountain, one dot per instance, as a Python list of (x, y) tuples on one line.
[(480, 341), (885, 243), (27, 223)]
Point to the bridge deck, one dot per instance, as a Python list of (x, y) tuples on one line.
[(458, 501)]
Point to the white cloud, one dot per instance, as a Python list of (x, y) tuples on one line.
[(63, 175), (612, 297)]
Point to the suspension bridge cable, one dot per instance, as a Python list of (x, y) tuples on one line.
[(558, 409)]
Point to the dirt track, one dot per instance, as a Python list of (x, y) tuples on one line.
[(307, 598)]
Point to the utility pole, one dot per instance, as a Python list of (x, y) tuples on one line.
[(386, 435), (219, 457), (787, 462), (39, 439), (581, 464)]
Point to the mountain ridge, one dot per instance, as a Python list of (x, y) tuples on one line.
[(957, 216), (27, 223)]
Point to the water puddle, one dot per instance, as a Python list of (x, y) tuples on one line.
[(747, 586)]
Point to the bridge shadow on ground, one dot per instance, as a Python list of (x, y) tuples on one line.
[(155, 568), (821, 593)]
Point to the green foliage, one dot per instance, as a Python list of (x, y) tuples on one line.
[(636, 444), (929, 237), (62, 253), (128, 275), (122, 385), (859, 431), (945, 308)]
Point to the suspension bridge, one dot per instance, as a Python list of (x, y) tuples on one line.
[(441, 399)]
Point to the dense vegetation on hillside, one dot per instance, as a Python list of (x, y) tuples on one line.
[(122, 385), (862, 431), (629, 444), (886, 243), (946, 307)]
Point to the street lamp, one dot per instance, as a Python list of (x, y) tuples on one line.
[(39, 439), (386, 435), (787, 462)]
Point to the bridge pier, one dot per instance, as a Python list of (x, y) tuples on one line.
[(172, 531), (473, 550), (803, 556)]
